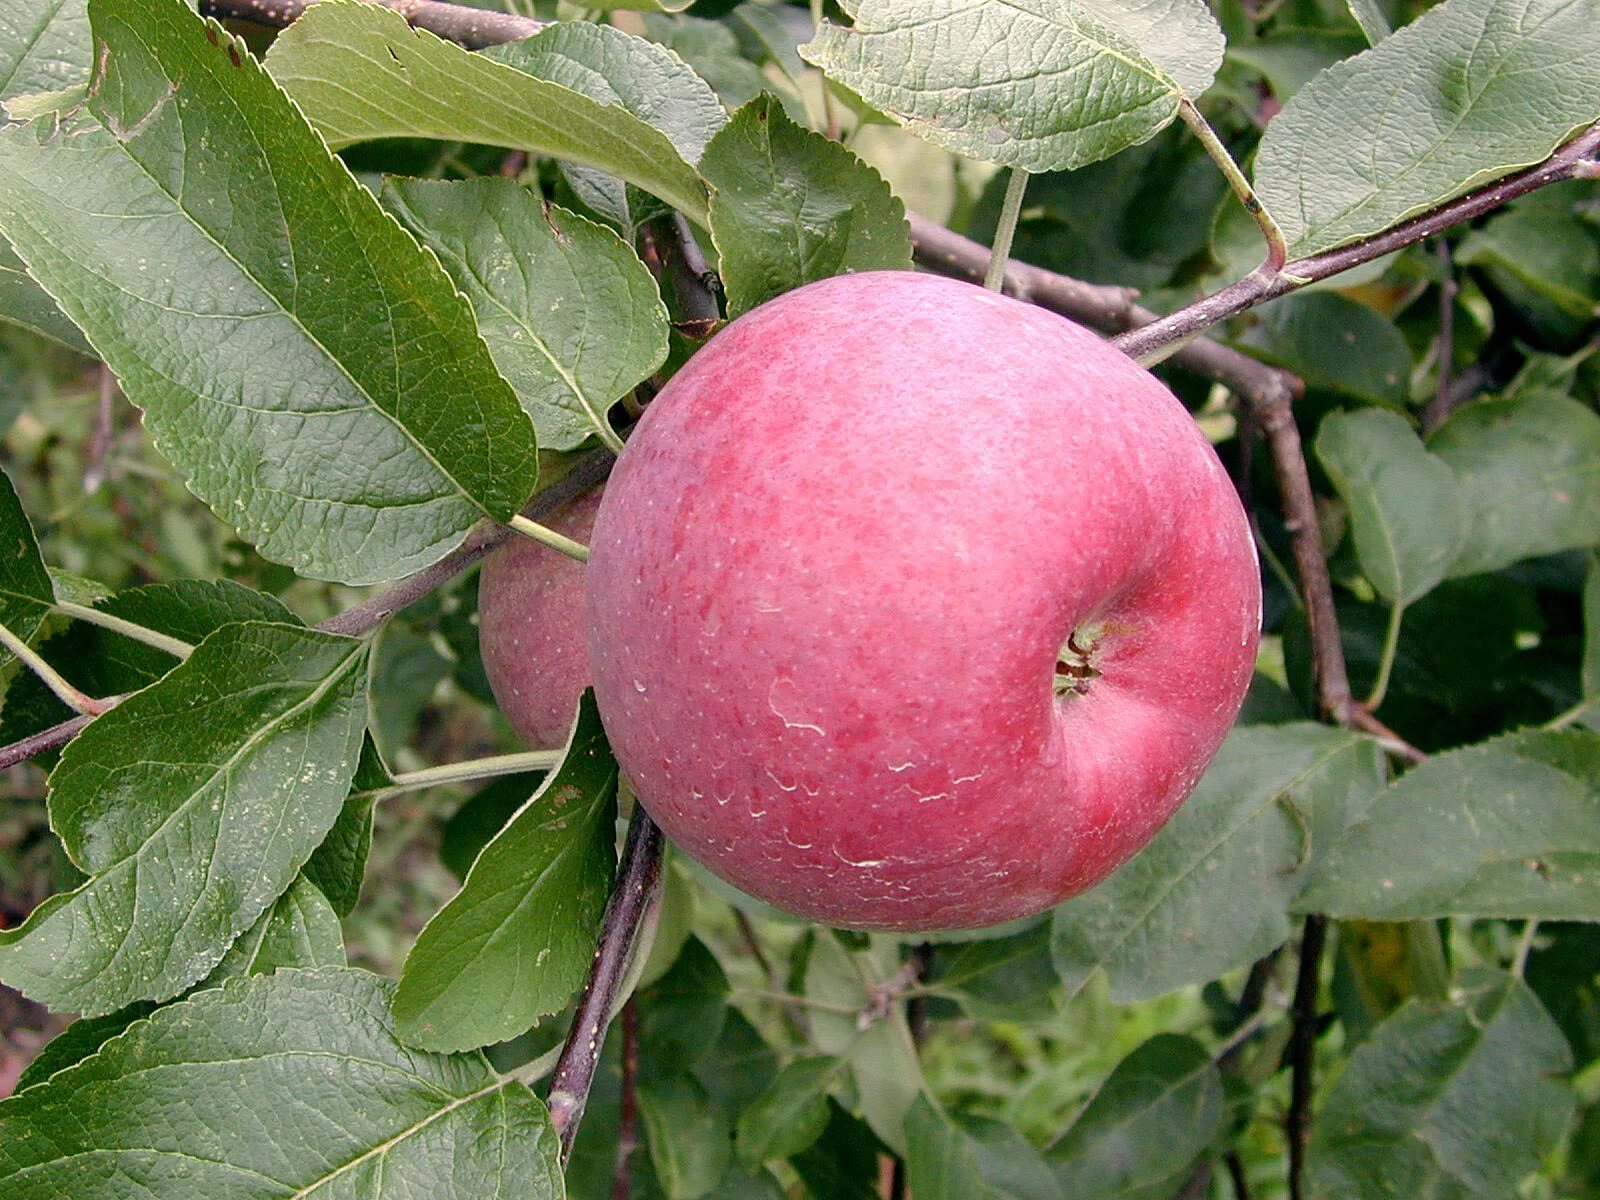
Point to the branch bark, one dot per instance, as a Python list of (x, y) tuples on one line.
[(588, 473), (1301, 1051), (638, 880), (474, 28), (46, 739), (1153, 341)]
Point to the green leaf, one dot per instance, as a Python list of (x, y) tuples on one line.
[(1470, 91), (843, 1162), (44, 46), (26, 592), (1212, 890), (271, 1086), (481, 816), (975, 1160), (571, 316), (78, 1041), (339, 864), (1373, 20), (299, 930), (712, 49), (1509, 828), (1335, 343), (882, 1057), (359, 72), (1139, 1136), (1404, 513), (518, 938), (791, 1113), (100, 662), (1449, 1099), (617, 68), (23, 302), (406, 667), (1041, 85), (682, 1015), (1528, 470), (791, 207), (379, 431), (189, 610), (689, 1135), (192, 805), (1544, 258), (939, 1163), (999, 979)]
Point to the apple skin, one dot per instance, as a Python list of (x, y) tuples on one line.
[(831, 576), (531, 629)]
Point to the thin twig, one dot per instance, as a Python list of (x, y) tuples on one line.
[(46, 739), (693, 281), (473, 28), (912, 974), (1301, 1050), (1154, 341), (1235, 1165), (103, 434), (589, 472), (1278, 429), (1443, 402), (638, 880), (627, 1105)]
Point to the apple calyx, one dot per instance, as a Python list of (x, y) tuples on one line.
[(1075, 669)]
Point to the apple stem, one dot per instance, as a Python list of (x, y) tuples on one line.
[(77, 701), (546, 536), (586, 473), (637, 885), (1010, 210), (128, 629)]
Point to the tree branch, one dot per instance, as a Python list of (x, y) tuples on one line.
[(693, 281), (628, 1106), (1301, 1050), (473, 28), (1152, 342), (46, 739), (638, 880), (587, 473)]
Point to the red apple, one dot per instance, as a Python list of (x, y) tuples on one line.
[(530, 629), (916, 607)]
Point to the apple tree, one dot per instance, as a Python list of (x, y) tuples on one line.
[(309, 309)]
